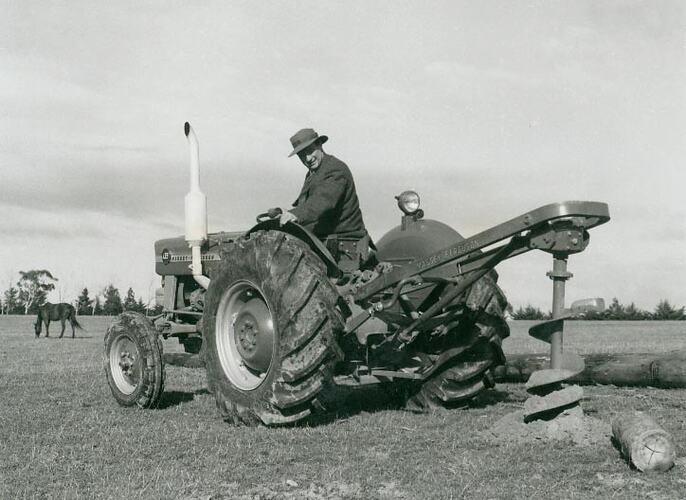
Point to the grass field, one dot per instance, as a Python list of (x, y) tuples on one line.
[(63, 436)]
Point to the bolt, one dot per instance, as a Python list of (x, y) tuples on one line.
[(575, 241)]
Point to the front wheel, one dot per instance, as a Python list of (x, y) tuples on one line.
[(269, 327), (133, 361)]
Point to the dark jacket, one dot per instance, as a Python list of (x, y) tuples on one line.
[(328, 203)]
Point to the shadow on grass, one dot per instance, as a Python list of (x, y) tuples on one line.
[(491, 398), (66, 337), (174, 398), (348, 403)]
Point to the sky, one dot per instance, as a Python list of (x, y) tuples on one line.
[(487, 109)]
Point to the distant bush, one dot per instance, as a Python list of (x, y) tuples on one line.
[(530, 312), (665, 310), (615, 312)]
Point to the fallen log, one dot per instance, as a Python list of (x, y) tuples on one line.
[(643, 442), (641, 370)]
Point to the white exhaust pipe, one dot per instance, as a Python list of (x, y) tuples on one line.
[(195, 210)]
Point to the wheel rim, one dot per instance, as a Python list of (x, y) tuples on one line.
[(245, 335), (125, 364)]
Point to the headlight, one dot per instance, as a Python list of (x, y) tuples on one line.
[(408, 202)]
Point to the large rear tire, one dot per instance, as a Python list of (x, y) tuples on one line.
[(477, 342), (133, 361), (270, 325)]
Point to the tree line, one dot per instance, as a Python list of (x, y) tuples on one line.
[(616, 311), (31, 291)]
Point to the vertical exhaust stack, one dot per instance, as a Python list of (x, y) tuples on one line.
[(195, 210)]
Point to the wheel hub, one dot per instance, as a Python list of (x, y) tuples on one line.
[(254, 334), (125, 364), (245, 335)]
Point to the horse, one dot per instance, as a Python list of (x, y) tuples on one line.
[(53, 312)]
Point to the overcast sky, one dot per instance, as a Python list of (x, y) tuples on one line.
[(488, 109)]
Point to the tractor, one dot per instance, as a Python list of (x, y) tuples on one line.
[(280, 321)]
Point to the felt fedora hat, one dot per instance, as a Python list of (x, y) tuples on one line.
[(304, 138)]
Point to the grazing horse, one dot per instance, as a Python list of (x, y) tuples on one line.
[(53, 312)]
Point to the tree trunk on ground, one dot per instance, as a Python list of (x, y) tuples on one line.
[(643, 442), (648, 369)]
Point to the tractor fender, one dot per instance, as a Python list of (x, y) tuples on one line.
[(304, 235)]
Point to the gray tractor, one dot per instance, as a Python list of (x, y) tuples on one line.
[(280, 321)]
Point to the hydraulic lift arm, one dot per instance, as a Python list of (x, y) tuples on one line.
[(554, 227)]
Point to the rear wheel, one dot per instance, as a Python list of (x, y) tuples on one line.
[(476, 342), (270, 326), (133, 361)]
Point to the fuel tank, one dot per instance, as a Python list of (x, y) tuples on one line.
[(417, 238), (173, 255)]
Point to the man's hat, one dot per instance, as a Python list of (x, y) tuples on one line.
[(304, 138)]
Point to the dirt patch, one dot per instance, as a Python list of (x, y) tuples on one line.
[(571, 425)]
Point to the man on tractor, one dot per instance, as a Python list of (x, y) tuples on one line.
[(280, 324), (327, 204)]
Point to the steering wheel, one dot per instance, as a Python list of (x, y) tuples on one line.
[(272, 213)]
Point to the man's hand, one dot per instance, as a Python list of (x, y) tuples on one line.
[(273, 213), (286, 217)]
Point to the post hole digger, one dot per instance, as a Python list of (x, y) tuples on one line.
[(279, 320)]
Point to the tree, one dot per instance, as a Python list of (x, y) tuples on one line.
[(10, 302), (112, 305), (84, 303), (616, 310), (34, 286), (665, 311), (97, 307), (140, 307), (130, 300), (632, 313), (529, 312)]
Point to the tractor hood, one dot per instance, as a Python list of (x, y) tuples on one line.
[(173, 255), (414, 239)]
